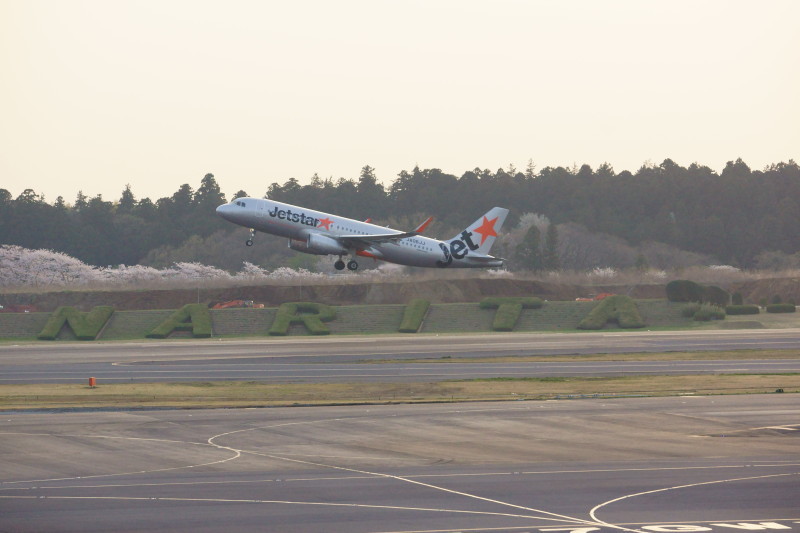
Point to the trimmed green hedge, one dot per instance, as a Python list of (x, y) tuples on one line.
[(683, 290), (191, 317), (689, 310), (716, 295), (709, 312), (509, 309), (617, 308), (742, 310), (781, 308), (86, 326), (310, 314), (413, 315)]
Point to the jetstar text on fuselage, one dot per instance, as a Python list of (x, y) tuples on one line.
[(291, 216), (457, 248)]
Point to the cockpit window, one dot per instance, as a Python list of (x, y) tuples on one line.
[(240, 203)]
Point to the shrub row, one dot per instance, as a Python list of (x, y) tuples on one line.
[(689, 310), (703, 312), (311, 314), (191, 317), (709, 312), (683, 290), (618, 308), (86, 326), (742, 310), (413, 315), (781, 308)]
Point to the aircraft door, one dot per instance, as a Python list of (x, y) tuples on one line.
[(261, 208)]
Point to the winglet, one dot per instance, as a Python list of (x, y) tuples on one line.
[(421, 227)]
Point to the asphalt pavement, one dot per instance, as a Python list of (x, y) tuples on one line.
[(342, 359), (663, 465)]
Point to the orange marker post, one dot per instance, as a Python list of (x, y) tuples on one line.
[(92, 382)]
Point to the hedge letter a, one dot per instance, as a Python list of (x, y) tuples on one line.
[(191, 317)]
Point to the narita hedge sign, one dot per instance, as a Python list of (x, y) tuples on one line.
[(314, 317)]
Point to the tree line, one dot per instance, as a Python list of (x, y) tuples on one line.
[(738, 216)]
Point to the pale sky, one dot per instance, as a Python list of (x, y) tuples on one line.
[(95, 94)]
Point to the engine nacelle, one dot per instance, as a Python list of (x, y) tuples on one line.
[(317, 244)]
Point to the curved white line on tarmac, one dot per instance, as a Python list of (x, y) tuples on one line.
[(57, 435), (558, 517), (593, 512)]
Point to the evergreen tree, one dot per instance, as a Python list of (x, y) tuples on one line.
[(205, 202), (80, 201), (127, 201), (551, 259), (529, 252), (370, 194)]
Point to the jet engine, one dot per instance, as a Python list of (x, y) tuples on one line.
[(318, 244)]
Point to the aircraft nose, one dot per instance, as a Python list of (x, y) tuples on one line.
[(223, 210)]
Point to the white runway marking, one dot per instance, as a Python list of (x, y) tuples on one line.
[(555, 516), (56, 435), (593, 512), (519, 511)]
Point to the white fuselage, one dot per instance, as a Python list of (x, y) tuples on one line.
[(323, 233)]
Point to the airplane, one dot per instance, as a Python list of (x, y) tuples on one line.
[(318, 233)]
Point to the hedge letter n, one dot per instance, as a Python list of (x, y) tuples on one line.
[(86, 326)]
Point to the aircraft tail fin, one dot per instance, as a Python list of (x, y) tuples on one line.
[(483, 232)]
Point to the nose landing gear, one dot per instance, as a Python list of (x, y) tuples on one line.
[(249, 241)]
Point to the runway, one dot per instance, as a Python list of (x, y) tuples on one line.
[(267, 371), (340, 359), (664, 465)]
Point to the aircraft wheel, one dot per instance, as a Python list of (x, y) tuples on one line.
[(339, 265), (249, 242), (352, 265)]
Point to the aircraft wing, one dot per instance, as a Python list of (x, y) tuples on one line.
[(369, 240), (484, 258)]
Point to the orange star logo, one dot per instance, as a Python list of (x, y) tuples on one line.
[(325, 223), (487, 229)]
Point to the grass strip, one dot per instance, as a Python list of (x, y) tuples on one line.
[(255, 394)]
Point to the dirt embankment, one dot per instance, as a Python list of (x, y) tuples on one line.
[(764, 290), (437, 291), (383, 292)]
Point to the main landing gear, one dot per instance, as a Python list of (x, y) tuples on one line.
[(351, 265), (249, 241)]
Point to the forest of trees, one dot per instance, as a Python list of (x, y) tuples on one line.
[(742, 217)]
